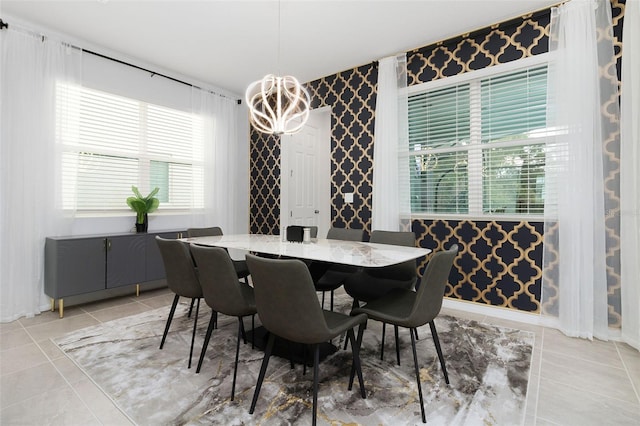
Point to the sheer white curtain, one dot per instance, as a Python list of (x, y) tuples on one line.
[(630, 175), (581, 44), (390, 196), (224, 167), (30, 166)]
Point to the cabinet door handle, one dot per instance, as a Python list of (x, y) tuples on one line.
[(107, 244)]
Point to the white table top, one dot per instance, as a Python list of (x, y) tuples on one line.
[(334, 251)]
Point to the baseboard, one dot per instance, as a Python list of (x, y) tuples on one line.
[(127, 290), (518, 316), (494, 311)]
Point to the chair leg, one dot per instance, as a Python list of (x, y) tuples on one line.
[(316, 361), (193, 335), (212, 322), (415, 363), (331, 301), (243, 333), (384, 330), (323, 300), (263, 369), (171, 312), (436, 341), (415, 331), (235, 366), (191, 308), (395, 329)]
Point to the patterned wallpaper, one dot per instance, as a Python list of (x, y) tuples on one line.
[(351, 95), (612, 180), (500, 261), (264, 183), (501, 43)]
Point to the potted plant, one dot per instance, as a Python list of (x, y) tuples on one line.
[(143, 206)]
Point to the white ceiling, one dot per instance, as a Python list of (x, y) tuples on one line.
[(231, 43)]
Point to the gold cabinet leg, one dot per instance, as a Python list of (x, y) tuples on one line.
[(137, 290), (61, 307), (53, 304)]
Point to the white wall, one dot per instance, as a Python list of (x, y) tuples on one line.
[(113, 77)]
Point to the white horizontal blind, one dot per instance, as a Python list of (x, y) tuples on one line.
[(478, 147), (440, 118), (439, 125), (111, 143)]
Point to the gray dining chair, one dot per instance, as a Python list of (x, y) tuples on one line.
[(239, 265), (182, 279), (224, 294), (372, 283), (411, 309), (329, 277), (289, 308)]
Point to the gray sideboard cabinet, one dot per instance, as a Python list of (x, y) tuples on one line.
[(84, 264)]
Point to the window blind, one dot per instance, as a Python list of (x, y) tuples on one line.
[(111, 143), (478, 147)]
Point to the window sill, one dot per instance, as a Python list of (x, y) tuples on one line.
[(474, 218), (83, 214)]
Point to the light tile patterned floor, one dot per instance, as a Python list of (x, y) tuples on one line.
[(573, 382)]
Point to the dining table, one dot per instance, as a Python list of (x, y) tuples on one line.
[(354, 253)]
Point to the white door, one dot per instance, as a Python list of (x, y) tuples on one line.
[(305, 174)]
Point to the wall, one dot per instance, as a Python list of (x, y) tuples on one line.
[(106, 75), (500, 263), (112, 77), (351, 96)]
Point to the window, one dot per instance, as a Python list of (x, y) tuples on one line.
[(477, 147), (111, 142)]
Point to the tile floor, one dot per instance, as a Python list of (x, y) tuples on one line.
[(573, 382)]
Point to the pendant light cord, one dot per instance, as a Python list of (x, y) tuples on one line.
[(278, 104), (279, 37)]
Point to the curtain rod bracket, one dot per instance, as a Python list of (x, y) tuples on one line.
[(3, 24)]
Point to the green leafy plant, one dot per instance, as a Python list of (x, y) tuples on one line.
[(143, 205)]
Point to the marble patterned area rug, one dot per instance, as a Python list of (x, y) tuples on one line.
[(488, 369)]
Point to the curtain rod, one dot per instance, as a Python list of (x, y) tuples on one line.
[(533, 13), (153, 73)]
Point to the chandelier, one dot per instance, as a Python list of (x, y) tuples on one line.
[(278, 105)]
